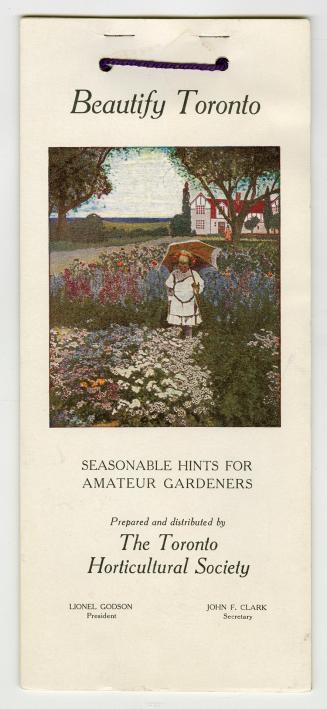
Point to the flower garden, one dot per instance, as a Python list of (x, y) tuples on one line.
[(114, 361)]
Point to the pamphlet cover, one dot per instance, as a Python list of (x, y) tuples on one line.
[(165, 354)]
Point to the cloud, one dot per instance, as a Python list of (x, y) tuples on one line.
[(145, 183)]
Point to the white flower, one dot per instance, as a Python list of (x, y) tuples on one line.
[(173, 392), (120, 371), (135, 404), (166, 382), (135, 389)]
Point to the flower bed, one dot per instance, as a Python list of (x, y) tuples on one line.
[(127, 376), (133, 279), (114, 361)]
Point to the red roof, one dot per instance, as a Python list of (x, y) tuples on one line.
[(257, 208)]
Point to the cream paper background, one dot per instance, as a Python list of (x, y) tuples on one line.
[(168, 642)]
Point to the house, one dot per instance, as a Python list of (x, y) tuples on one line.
[(207, 215)]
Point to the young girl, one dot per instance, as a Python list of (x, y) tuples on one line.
[(183, 286)]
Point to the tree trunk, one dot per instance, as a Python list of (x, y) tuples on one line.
[(61, 224), (236, 230)]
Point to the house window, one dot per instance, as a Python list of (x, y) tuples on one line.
[(199, 224), (200, 209)]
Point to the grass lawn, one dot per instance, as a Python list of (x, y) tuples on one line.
[(130, 226), (114, 240), (110, 241), (213, 239), (115, 234)]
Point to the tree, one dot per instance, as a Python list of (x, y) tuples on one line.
[(90, 228), (75, 175), (186, 209), (275, 222), (267, 212), (179, 225), (231, 170), (251, 223)]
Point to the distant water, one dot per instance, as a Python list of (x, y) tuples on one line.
[(126, 220)]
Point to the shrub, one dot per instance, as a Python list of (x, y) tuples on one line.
[(179, 225)]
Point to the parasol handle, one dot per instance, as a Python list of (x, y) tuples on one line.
[(196, 295)]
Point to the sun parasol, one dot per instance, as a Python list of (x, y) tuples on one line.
[(201, 254)]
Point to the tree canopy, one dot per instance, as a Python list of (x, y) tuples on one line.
[(75, 175), (254, 171)]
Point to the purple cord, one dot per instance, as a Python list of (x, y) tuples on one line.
[(107, 63)]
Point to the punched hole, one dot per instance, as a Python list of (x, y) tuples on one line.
[(104, 66), (222, 63)]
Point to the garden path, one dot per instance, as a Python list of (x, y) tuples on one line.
[(59, 260)]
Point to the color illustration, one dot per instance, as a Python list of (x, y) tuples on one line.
[(164, 286)]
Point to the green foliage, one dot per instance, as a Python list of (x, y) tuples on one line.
[(75, 175), (275, 221), (229, 170), (186, 209), (92, 232), (238, 347), (179, 225), (113, 226), (230, 167), (267, 212), (239, 377), (93, 315), (251, 223), (89, 229)]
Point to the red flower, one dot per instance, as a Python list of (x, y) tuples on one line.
[(120, 263), (154, 263)]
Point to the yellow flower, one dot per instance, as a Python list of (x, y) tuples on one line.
[(101, 381), (84, 385), (98, 382)]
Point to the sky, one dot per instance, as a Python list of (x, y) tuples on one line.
[(145, 184)]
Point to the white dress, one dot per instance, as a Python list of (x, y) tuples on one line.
[(182, 306)]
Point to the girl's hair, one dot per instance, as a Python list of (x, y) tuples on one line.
[(185, 257)]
